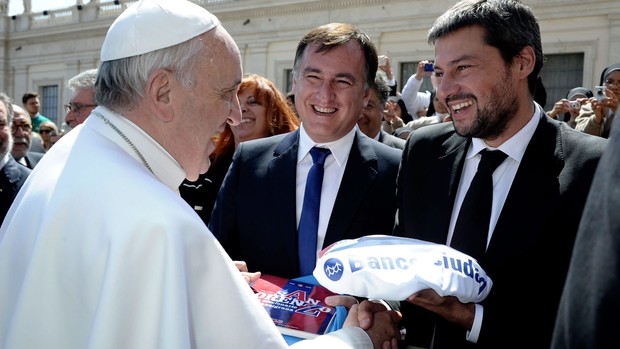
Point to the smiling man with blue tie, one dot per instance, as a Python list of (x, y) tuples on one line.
[(261, 212)]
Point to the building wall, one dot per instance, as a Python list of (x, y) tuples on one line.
[(40, 49)]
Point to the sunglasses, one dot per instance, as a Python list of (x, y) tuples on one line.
[(45, 131)]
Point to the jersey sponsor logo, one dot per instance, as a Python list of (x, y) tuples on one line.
[(334, 270), (466, 268)]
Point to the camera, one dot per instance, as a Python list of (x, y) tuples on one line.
[(382, 60), (429, 67), (599, 92), (574, 105)]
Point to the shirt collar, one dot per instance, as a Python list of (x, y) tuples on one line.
[(515, 146), (163, 165), (340, 148)]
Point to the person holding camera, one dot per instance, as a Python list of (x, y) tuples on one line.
[(385, 65), (597, 116), (411, 95), (567, 109)]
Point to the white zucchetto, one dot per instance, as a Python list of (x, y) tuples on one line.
[(150, 25)]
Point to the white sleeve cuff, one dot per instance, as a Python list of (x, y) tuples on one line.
[(387, 305), (348, 337), (472, 335)]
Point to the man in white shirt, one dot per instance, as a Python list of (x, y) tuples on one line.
[(488, 55), (257, 215), (414, 99), (99, 250)]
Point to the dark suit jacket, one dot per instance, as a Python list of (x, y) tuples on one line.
[(12, 177), (391, 141), (588, 312), (33, 158), (529, 252), (254, 216), (36, 145), (203, 192)]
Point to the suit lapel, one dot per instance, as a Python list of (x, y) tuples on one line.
[(534, 189), (282, 178), (11, 171), (10, 178), (30, 160), (450, 165), (359, 174), (454, 160)]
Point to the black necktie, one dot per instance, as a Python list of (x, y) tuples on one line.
[(472, 226), (309, 221)]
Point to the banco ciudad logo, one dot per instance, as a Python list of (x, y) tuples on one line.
[(333, 268)]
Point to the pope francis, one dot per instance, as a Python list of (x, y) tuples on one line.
[(99, 250)]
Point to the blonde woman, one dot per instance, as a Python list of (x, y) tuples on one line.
[(47, 130)]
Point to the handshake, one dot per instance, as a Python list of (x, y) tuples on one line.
[(380, 323)]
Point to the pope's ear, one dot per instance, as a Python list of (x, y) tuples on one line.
[(158, 90)]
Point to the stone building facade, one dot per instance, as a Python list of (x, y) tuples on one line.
[(42, 50)]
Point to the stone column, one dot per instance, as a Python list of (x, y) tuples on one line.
[(27, 6), (4, 7)]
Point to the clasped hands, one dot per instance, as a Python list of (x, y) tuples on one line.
[(381, 324), (370, 312)]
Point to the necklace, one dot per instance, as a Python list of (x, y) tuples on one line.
[(125, 138)]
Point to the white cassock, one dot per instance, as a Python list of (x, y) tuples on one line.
[(98, 252)]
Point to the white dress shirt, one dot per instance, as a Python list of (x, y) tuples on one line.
[(332, 176)]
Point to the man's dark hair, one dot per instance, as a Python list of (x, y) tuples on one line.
[(510, 26), (540, 95), (28, 95), (333, 35), (381, 88), (291, 96)]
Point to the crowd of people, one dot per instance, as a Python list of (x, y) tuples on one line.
[(33, 134), (192, 174)]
